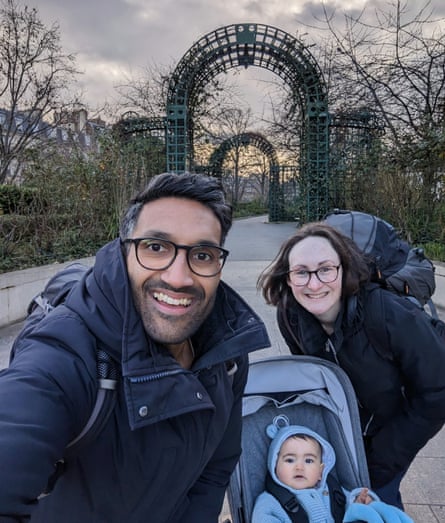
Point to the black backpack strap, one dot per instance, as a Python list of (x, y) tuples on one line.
[(374, 324), (337, 499), (287, 500), (296, 512)]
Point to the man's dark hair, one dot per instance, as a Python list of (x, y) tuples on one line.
[(197, 187)]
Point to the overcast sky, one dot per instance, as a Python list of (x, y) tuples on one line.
[(114, 39)]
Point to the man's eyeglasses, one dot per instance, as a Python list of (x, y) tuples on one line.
[(156, 254), (301, 277)]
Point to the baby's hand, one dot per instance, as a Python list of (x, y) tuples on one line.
[(364, 498)]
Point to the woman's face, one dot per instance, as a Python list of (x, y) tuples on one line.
[(320, 299)]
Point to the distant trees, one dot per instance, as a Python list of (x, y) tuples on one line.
[(394, 63), (35, 74), (388, 64)]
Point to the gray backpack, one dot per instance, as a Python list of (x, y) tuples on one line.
[(394, 264)]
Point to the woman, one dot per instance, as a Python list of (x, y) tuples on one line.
[(326, 307)]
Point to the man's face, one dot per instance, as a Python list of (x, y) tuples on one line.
[(174, 302)]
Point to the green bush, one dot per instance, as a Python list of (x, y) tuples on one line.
[(67, 207), (435, 251), (9, 198), (14, 199), (34, 240), (253, 208)]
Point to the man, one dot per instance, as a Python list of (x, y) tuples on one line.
[(155, 303)]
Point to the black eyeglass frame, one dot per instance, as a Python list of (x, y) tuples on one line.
[(310, 273), (176, 246)]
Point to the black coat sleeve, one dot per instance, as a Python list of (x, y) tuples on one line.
[(46, 396), (419, 353)]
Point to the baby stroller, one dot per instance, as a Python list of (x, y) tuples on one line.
[(310, 392)]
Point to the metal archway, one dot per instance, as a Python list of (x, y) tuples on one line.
[(355, 147), (276, 201), (244, 139), (142, 140), (133, 124), (244, 45)]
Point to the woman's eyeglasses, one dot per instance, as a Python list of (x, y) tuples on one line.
[(301, 277)]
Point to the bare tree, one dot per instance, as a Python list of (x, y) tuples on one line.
[(146, 94), (284, 124), (260, 172), (387, 64), (34, 75), (394, 62)]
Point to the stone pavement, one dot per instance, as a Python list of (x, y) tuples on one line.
[(253, 243)]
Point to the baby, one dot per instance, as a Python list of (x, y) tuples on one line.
[(299, 462)]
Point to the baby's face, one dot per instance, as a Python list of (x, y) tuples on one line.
[(299, 463)]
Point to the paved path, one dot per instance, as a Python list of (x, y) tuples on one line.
[(253, 243)]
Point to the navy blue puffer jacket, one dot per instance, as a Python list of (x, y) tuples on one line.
[(397, 369), (173, 439)]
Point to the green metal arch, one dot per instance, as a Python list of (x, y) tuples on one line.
[(355, 147), (131, 123), (244, 45), (244, 139)]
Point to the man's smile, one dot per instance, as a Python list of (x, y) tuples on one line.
[(182, 302)]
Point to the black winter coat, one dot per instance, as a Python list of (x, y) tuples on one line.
[(167, 462), (396, 363)]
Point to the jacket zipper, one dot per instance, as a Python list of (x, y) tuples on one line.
[(329, 347), (153, 377), (365, 431)]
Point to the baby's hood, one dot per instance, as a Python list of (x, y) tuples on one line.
[(280, 430)]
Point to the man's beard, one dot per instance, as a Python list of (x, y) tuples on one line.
[(170, 329)]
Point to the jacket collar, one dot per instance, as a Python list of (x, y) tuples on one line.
[(304, 327)]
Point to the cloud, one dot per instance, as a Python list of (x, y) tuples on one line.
[(114, 39)]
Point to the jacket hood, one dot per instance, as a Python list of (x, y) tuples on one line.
[(150, 375), (105, 303), (279, 431)]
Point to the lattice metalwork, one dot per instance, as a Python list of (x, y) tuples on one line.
[(142, 143), (244, 139), (354, 153), (244, 45), (132, 124), (284, 194), (276, 202)]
